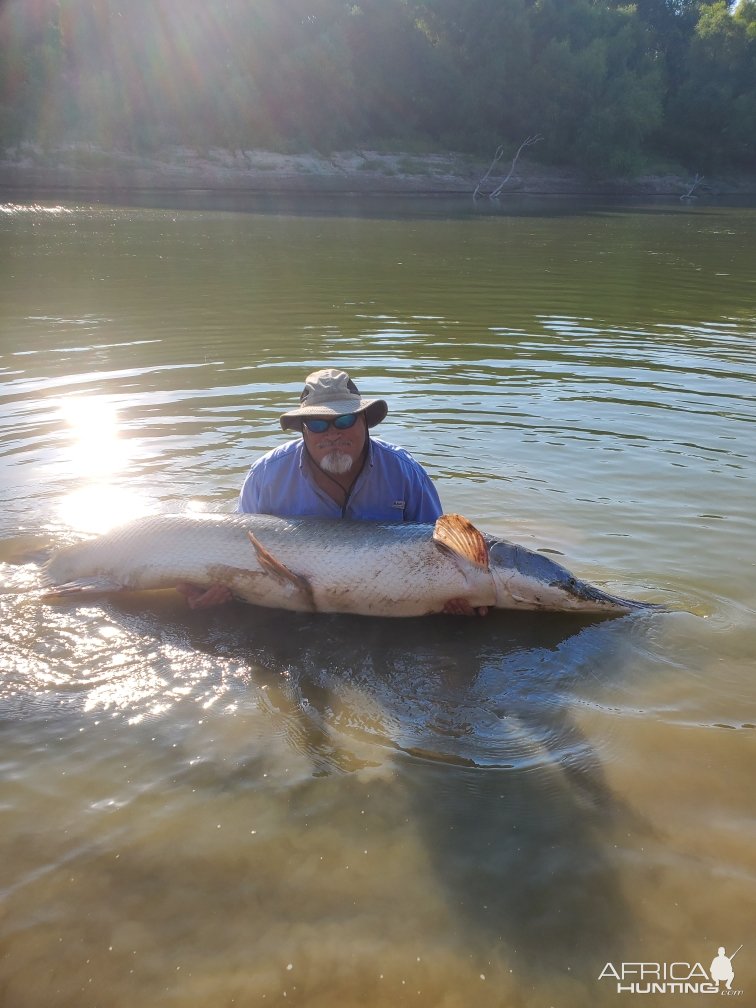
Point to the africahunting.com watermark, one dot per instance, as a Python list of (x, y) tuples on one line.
[(674, 977)]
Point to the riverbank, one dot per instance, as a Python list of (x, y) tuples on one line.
[(87, 166)]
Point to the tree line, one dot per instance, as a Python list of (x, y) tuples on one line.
[(610, 86)]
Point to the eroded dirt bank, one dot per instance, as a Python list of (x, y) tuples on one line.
[(87, 166)]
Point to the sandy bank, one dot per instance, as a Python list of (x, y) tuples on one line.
[(87, 166)]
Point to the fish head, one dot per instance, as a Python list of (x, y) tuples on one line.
[(524, 579)]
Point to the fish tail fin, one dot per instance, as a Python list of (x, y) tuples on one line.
[(81, 588)]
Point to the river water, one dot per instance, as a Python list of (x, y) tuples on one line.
[(250, 807)]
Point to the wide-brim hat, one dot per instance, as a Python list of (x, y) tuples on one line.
[(331, 393)]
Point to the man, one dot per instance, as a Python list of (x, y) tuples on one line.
[(335, 470)]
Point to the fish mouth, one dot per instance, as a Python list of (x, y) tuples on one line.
[(542, 571), (587, 593)]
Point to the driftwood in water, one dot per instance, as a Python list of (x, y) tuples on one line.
[(527, 142), (696, 183)]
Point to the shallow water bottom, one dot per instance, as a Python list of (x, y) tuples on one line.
[(274, 833)]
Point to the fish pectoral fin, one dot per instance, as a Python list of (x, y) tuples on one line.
[(456, 534), (96, 585), (281, 572)]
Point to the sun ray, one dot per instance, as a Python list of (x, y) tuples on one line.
[(98, 458)]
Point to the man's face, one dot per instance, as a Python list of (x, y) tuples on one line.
[(335, 450)]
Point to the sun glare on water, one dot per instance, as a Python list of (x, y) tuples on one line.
[(97, 461)]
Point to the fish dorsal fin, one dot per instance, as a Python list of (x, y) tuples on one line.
[(457, 534)]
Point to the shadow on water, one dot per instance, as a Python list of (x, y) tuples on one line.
[(475, 719)]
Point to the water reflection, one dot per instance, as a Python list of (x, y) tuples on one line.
[(96, 458), (508, 793), (464, 727)]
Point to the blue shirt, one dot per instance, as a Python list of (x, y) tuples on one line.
[(391, 487)]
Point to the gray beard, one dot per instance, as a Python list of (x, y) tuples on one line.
[(336, 462)]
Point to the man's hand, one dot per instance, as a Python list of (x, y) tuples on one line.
[(204, 598), (461, 607)]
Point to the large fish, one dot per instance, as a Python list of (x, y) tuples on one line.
[(314, 565)]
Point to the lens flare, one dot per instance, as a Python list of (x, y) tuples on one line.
[(98, 458)]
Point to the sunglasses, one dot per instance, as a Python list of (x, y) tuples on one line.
[(317, 425)]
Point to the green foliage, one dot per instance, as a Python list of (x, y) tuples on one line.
[(608, 84), (712, 115)]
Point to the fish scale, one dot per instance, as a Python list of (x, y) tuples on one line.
[(320, 565)]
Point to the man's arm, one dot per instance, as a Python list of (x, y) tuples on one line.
[(249, 497)]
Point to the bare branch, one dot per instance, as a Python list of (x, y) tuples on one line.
[(696, 183), (528, 142), (497, 157)]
